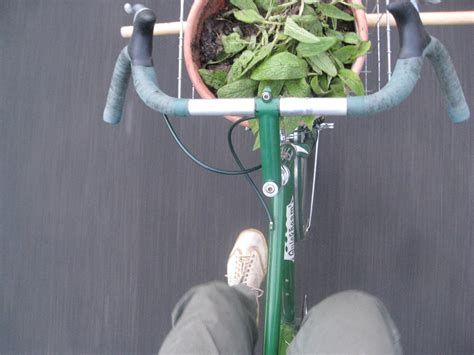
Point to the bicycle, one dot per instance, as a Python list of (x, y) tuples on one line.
[(283, 155)]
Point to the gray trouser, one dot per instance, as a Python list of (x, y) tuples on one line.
[(218, 319)]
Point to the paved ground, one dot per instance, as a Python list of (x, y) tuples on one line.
[(103, 228)]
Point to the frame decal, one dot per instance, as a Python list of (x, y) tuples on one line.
[(290, 231)]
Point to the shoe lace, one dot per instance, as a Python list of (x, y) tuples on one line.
[(241, 272), (244, 264)]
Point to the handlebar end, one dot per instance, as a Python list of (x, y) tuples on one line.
[(112, 116), (459, 114), (118, 88)]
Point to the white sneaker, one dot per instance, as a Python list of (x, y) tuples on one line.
[(247, 263)]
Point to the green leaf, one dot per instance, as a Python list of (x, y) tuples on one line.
[(316, 70), (347, 54), (253, 125), (298, 88), (256, 145), (364, 47), (255, 128), (309, 120), (311, 49), (233, 43), (300, 34), (324, 82), (337, 62), (333, 33), (249, 16), (336, 89), (213, 78), (289, 124), (240, 88), (237, 69), (244, 4), (264, 4), (353, 5), (333, 12), (317, 87), (351, 38), (276, 86), (281, 66), (304, 19), (260, 55), (309, 10), (324, 63), (252, 43), (222, 56), (314, 26), (352, 80)]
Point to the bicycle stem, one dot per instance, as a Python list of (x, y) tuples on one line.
[(269, 124)]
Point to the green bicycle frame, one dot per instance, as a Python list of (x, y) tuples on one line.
[(286, 195), (280, 160)]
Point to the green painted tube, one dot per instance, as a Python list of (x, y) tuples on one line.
[(269, 125), (273, 300), (290, 201)]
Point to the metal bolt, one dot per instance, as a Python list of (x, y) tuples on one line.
[(266, 96), (270, 189)]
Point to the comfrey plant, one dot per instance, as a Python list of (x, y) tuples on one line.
[(298, 48)]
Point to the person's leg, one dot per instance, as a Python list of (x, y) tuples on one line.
[(350, 322), (213, 319), (218, 319)]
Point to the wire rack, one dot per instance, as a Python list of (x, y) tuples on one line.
[(374, 75), (375, 55)]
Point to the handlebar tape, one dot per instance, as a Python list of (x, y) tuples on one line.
[(404, 78), (415, 44), (118, 88), (146, 85), (144, 75), (457, 107), (136, 59)]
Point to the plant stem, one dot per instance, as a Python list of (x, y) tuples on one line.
[(301, 8)]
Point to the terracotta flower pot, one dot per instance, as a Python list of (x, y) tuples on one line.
[(203, 9)]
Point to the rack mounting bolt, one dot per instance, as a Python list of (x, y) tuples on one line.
[(270, 189), (266, 96)]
